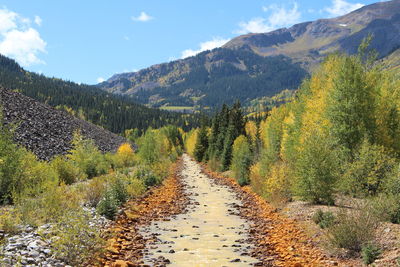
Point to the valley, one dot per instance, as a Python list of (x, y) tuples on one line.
[(277, 148)]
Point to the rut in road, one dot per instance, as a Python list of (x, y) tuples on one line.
[(211, 233)]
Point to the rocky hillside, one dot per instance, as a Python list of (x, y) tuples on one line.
[(101, 108), (46, 131), (262, 64), (309, 42)]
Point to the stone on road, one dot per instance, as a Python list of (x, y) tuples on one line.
[(210, 234)]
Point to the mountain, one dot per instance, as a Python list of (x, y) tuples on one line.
[(259, 65), (309, 42), (208, 79), (88, 102), (392, 62), (47, 131)]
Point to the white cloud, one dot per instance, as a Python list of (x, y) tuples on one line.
[(126, 38), (100, 80), (279, 17), (19, 40), (38, 20), (341, 7), (143, 17), (214, 43)]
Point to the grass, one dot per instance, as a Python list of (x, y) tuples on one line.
[(177, 108)]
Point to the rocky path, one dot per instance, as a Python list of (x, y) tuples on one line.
[(210, 233), (200, 218)]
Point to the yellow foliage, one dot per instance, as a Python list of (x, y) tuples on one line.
[(251, 130), (278, 183), (257, 181), (190, 141)]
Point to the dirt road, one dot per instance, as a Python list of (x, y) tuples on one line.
[(211, 233)]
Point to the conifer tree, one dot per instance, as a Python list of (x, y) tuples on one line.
[(201, 144)]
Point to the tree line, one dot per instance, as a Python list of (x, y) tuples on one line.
[(112, 112)]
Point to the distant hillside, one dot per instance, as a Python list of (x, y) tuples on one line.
[(101, 108), (392, 61), (46, 131), (309, 42), (208, 79), (258, 65)]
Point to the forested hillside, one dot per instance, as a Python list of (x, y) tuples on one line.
[(87, 102), (209, 79), (258, 65)]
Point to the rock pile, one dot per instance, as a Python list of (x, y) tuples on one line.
[(30, 247), (46, 131)]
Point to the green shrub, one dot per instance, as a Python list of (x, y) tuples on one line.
[(94, 191), (77, 242), (108, 205), (354, 228), (9, 220), (147, 176), (386, 207), (37, 177), (68, 172), (10, 164), (87, 157), (369, 172), (317, 169), (370, 252), (135, 188), (118, 189), (324, 219), (49, 206)]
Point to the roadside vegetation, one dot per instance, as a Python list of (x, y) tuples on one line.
[(62, 191), (337, 137)]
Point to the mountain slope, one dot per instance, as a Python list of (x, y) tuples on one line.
[(46, 131), (101, 108), (208, 79), (309, 42), (257, 65)]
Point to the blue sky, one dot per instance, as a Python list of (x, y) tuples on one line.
[(87, 41)]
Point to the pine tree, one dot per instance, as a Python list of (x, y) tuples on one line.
[(201, 144)]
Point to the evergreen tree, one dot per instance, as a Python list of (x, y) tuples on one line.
[(201, 144)]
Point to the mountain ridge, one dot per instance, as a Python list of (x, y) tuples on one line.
[(303, 45)]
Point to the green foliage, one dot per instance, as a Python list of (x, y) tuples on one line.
[(148, 177), (317, 169), (38, 177), (148, 145), (77, 242), (354, 228), (369, 172), (95, 105), (49, 206), (370, 252), (135, 187), (351, 104), (94, 191), (223, 82), (227, 125), (241, 160), (324, 219), (67, 171), (87, 157), (108, 205), (201, 146), (118, 190), (9, 220), (10, 165), (386, 206)]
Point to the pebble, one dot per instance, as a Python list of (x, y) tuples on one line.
[(30, 248)]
